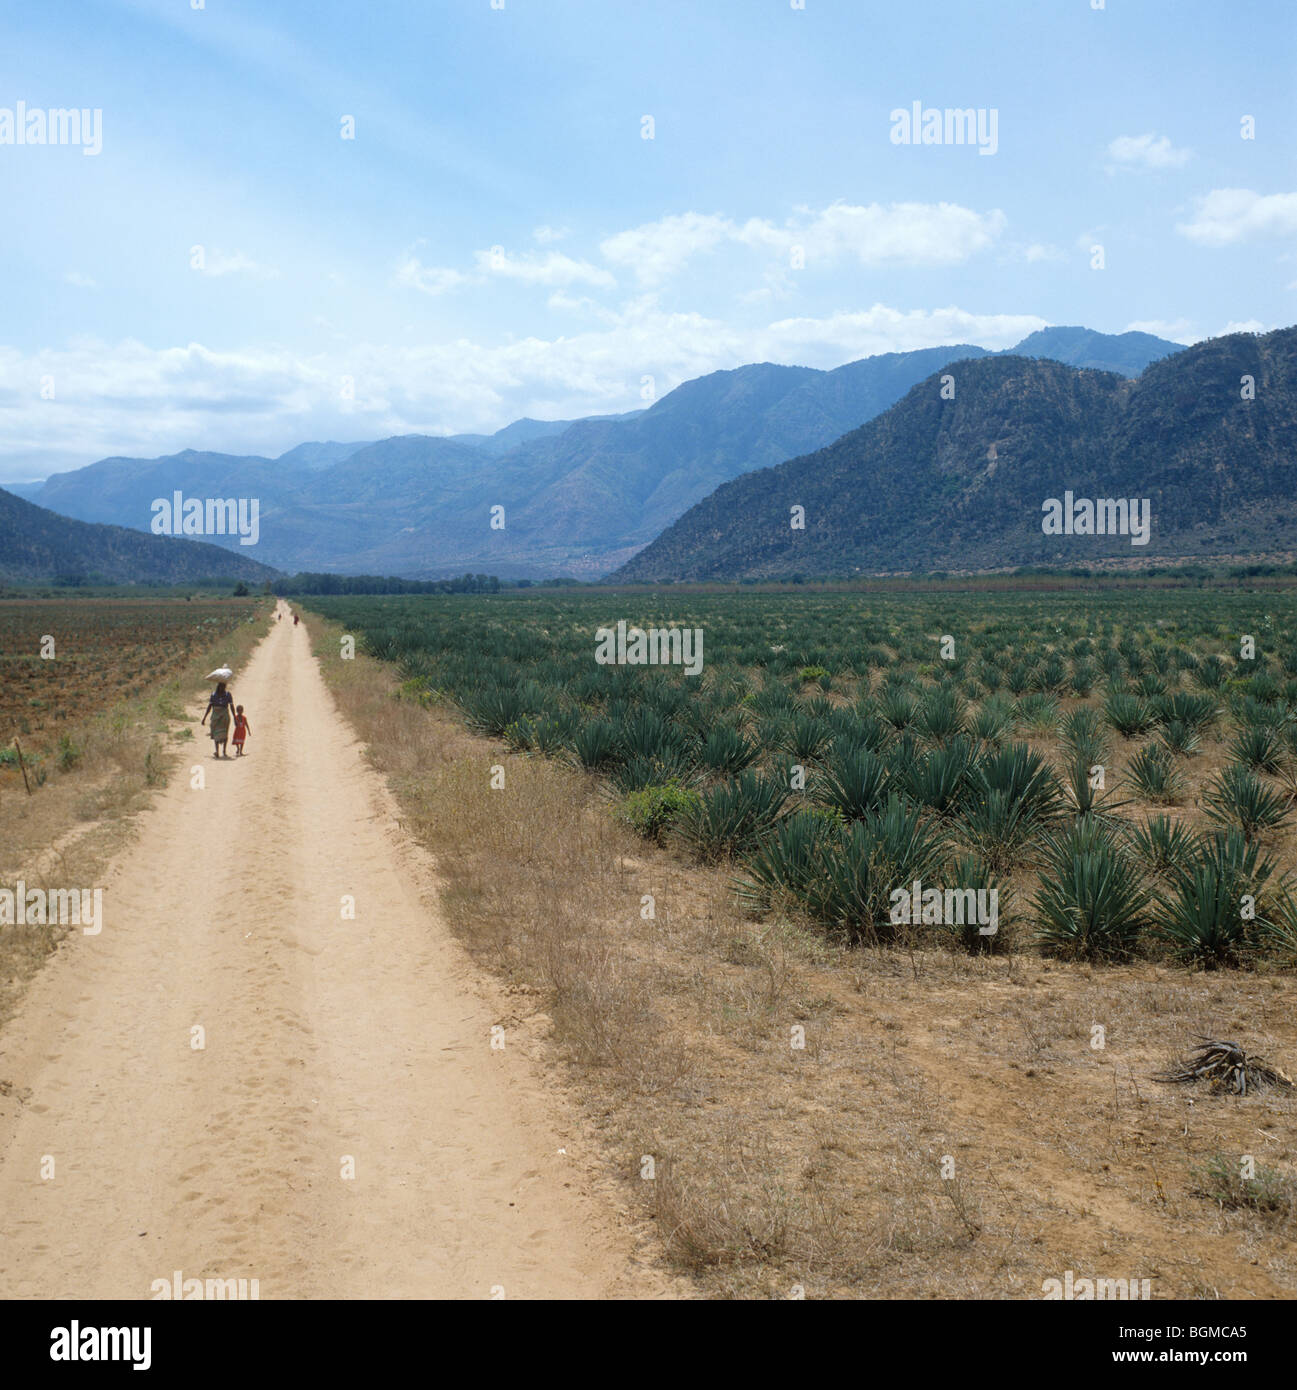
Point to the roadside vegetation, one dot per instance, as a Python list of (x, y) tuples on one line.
[(1127, 780), (833, 1101)]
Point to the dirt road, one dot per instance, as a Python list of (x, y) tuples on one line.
[(326, 1039)]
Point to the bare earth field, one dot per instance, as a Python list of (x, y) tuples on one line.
[(97, 650)]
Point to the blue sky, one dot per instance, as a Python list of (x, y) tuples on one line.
[(500, 240)]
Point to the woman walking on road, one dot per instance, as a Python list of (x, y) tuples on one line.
[(219, 706)]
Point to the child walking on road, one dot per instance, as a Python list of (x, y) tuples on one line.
[(241, 730)]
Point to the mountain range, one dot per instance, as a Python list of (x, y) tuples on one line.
[(960, 473), (37, 545), (578, 498)]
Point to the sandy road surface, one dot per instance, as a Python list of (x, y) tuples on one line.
[(324, 1038)]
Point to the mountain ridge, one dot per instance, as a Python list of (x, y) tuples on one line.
[(962, 483), (579, 497)]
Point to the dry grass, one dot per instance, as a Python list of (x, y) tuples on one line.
[(797, 1116)]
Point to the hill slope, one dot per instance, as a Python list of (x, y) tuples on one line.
[(36, 544), (960, 484)]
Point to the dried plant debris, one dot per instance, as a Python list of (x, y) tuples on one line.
[(1227, 1067)]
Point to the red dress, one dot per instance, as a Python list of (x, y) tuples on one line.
[(240, 729)]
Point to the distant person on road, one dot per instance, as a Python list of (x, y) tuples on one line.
[(219, 706), (294, 619), (241, 730)]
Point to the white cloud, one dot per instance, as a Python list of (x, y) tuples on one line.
[(545, 234), (778, 285), (1146, 152), (1228, 215), (580, 304), (1245, 326), (882, 329), (1176, 330), (127, 398), (216, 262), (901, 233), (658, 250), (80, 280), (873, 234), (554, 268), (430, 279)]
